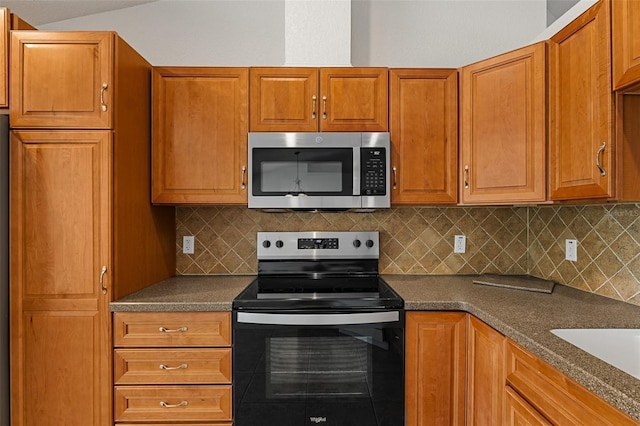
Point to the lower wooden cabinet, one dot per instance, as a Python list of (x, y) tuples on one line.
[(435, 354), (519, 412), (172, 368)]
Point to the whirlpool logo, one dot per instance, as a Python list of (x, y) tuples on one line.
[(318, 419)]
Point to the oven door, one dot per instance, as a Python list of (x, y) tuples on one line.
[(304, 170), (330, 369)]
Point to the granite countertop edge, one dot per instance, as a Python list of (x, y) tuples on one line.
[(523, 316)]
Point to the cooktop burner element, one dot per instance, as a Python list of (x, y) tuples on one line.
[(318, 270)]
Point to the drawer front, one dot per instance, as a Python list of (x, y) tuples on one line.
[(162, 329), (556, 396), (172, 366), (172, 403)]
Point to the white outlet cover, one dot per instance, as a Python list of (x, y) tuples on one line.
[(571, 250), (188, 243), (460, 244)]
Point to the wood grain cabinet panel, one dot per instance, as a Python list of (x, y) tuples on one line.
[(78, 67), (503, 128), (625, 21), (485, 370), (581, 143), (172, 403), (435, 358), (159, 329), (518, 412), (319, 99), (200, 125), (555, 396), (4, 57), (423, 105)]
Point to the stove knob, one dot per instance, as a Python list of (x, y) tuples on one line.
[(369, 243), (266, 244), (279, 243), (357, 243)]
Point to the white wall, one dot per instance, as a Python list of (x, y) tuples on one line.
[(394, 33)]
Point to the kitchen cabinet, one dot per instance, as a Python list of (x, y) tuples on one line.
[(423, 105), (548, 395), (318, 99), (485, 371), (200, 125), (435, 372), (8, 22), (172, 367), (82, 233), (519, 412), (627, 146), (581, 144), (503, 128), (625, 19)]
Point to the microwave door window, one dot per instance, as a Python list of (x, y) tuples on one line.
[(298, 172)]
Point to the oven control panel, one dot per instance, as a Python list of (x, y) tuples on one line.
[(318, 245)]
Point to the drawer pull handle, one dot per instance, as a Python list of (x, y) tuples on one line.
[(175, 330), (603, 172), (182, 404), (181, 366)]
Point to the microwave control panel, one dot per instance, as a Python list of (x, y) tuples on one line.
[(373, 179)]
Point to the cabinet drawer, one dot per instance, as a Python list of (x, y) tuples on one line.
[(172, 366), (158, 329), (556, 396), (172, 403)]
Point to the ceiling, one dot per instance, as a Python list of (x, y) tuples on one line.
[(40, 12)]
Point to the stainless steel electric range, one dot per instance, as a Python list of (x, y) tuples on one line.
[(319, 335)]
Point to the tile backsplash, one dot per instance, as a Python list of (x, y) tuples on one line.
[(419, 240)]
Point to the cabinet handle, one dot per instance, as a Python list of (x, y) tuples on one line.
[(313, 106), (244, 171), (175, 330), (102, 286), (182, 404), (324, 107), (395, 177), (603, 172), (180, 367), (102, 90), (466, 176)]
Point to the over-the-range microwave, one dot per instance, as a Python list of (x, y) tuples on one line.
[(323, 171)]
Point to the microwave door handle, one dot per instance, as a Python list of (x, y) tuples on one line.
[(318, 319), (356, 170)]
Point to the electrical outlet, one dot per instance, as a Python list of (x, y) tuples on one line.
[(460, 244), (571, 250), (188, 243)]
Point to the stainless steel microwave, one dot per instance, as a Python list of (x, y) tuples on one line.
[(324, 171)]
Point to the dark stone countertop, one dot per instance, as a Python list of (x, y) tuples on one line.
[(525, 317)]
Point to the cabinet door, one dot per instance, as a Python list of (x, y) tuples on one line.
[(485, 369), (625, 18), (354, 99), (424, 134), (199, 147), (435, 368), (4, 57), (283, 99), (581, 107), (61, 79), (59, 240), (503, 128)]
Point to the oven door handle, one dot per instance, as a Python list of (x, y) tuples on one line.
[(318, 319)]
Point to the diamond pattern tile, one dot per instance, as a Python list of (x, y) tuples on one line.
[(419, 240)]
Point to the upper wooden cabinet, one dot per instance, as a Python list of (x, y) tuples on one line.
[(503, 128), (200, 120), (435, 373), (581, 144), (625, 18), (319, 99), (78, 67), (423, 106)]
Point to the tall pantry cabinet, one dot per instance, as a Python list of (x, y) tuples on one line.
[(83, 231)]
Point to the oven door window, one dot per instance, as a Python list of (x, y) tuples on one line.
[(306, 171), (339, 375)]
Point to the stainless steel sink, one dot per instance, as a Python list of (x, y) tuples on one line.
[(619, 347)]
